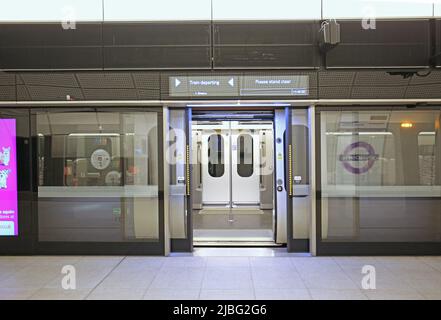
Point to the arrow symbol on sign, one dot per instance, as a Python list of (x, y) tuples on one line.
[(177, 82), (231, 82)]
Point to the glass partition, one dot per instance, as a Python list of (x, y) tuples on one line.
[(177, 143), (98, 176), (380, 176), (300, 164)]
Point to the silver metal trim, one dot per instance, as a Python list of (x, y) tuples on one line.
[(378, 67), (225, 102), (279, 166), (312, 182)]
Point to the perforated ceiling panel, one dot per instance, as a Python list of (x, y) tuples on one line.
[(377, 85), (372, 92), (50, 93), (379, 78), (49, 86), (7, 86), (58, 79), (104, 80), (110, 94), (154, 86), (336, 78)]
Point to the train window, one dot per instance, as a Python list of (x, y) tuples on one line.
[(216, 166), (245, 152)]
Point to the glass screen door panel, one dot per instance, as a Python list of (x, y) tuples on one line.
[(301, 203), (176, 142)]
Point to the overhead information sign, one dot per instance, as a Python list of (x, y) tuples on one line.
[(201, 86), (275, 86), (234, 86)]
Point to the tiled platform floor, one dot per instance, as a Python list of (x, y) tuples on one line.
[(221, 274)]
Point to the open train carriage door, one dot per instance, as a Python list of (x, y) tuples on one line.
[(179, 157)]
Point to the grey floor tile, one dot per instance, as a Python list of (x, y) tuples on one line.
[(227, 294), (125, 280), (228, 262), (271, 262), (227, 278), (16, 294), (332, 294), (282, 294), (179, 278), (59, 294), (195, 262), (335, 281), (103, 293), (267, 278), (171, 294), (394, 295)]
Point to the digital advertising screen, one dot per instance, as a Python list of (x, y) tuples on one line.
[(8, 178)]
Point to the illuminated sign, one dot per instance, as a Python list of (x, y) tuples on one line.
[(203, 86), (275, 86), (234, 86), (355, 161), (8, 179)]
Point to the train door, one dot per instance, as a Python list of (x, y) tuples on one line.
[(215, 162), (245, 165), (233, 178), (239, 178)]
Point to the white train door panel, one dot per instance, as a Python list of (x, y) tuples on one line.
[(215, 167), (245, 167)]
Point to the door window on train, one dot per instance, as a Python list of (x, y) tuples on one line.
[(216, 164), (245, 154)]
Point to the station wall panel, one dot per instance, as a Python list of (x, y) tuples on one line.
[(438, 42), (157, 45), (399, 43), (49, 46), (265, 45)]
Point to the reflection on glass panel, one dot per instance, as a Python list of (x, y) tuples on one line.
[(380, 173), (300, 164), (427, 158), (176, 160), (245, 155), (216, 166), (98, 176)]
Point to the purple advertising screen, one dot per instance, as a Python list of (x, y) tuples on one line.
[(8, 179)]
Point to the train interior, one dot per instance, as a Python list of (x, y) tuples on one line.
[(233, 178)]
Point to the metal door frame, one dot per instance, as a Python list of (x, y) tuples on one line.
[(190, 199), (186, 245), (294, 245)]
